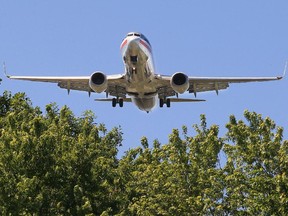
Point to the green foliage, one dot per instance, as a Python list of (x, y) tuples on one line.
[(256, 169), (175, 179), (54, 163)]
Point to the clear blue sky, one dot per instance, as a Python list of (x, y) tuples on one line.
[(201, 38)]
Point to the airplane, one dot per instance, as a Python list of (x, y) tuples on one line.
[(140, 83)]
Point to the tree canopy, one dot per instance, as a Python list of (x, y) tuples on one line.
[(54, 163)]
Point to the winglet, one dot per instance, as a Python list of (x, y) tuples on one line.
[(285, 69), (5, 72)]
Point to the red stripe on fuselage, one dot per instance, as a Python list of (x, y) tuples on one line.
[(146, 45), (123, 44)]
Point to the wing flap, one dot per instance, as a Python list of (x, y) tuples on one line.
[(75, 85), (208, 86), (116, 90)]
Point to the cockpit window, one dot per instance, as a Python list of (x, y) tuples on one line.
[(138, 35), (133, 34)]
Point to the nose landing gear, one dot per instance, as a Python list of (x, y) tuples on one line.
[(164, 101)]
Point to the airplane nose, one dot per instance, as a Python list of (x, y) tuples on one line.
[(133, 47), (134, 43)]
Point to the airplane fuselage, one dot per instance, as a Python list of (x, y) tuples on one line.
[(139, 71)]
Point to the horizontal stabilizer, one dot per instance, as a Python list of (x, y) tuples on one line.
[(110, 99), (171, 99), (185, 100)]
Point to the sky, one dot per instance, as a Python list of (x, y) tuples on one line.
[(199, 38)]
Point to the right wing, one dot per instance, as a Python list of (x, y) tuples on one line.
[(80, 83), (204, 84)]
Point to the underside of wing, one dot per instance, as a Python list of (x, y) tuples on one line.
[(203, 84), (115, 83), (80, 83)]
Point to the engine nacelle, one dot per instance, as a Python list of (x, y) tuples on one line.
[(179, 82), (98, 82)]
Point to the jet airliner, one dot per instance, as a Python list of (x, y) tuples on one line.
[(140, 83)]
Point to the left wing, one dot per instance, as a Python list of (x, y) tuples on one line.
[(203, 84)]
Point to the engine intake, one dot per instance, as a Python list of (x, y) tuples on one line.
[(98, 82), (179, 82)]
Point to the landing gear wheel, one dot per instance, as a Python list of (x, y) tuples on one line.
[(164, 101), (121, 102), (161, 102), (168, 103), (114, 102)]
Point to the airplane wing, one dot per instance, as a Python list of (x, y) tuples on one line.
[(80, 83), (204, 84), (116, 83), (171, 99)]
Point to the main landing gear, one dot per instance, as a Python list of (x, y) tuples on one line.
[(164, 101), (116, 101)]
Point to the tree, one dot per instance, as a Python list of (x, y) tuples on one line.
[(182, 177), (54, 163), (256, 169)]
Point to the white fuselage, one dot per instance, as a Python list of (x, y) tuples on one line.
[(139, 71)]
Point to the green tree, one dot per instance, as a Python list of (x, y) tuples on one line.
[(256, 169), (55, 163), (181, 177)]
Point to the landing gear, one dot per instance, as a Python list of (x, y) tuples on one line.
[(164, 101), (161, 102), (168, 103), (121, 102), (116, 101)]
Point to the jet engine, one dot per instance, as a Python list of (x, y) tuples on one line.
[(179, 82), (98, 82)]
